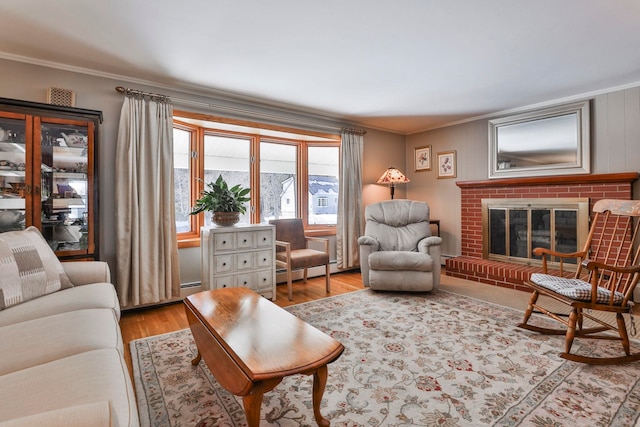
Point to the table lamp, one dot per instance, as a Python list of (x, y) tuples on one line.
[(392, 176)]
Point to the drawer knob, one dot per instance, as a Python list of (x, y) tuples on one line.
[(245, 282), (224, 242), (244, 241), (264, 259), (245, 261), (224, 263)]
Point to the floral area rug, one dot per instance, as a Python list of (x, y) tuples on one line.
[(434, 359)]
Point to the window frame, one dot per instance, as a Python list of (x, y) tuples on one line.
[(192, 237), (211, 125), (317, 229)]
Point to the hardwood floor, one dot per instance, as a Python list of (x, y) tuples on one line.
[(171, 317)]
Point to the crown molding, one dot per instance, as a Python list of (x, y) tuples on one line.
[(206, 95)]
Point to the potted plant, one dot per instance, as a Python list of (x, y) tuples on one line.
[(225, 203)]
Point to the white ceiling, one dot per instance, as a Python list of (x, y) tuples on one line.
[(401, 65)]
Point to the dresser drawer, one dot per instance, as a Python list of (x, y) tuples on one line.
[(264, 238), (245, 240), (263, 280), (264, 259), (223, 263), (224, 282), (223, 242), (245, 261), (245, 280)]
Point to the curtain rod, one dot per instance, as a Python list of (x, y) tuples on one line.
[(134, 92), (354, 131), (165, 98)]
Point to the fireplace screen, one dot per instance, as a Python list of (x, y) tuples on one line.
[(512, 228)]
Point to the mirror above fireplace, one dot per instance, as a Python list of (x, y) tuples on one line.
[(550, 141)]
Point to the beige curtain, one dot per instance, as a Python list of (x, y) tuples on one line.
[(350, 222), (147, 249)]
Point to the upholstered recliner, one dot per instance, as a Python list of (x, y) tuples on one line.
[(397, 251)]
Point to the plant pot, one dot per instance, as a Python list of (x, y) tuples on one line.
[(225, 219)]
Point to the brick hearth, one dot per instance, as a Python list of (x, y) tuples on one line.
[(470, 264)]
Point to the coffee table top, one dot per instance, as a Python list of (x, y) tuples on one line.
[(263, 339)]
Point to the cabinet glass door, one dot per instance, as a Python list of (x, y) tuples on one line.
[(13, 164), (64, 185)]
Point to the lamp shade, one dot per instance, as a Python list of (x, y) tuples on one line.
[(392, 176)]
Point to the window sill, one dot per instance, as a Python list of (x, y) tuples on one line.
[(320, 231), (191, 242)]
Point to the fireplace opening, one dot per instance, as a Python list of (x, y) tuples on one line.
[(512, 228)]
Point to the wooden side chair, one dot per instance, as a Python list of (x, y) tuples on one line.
[(293, 252), (607, 273)]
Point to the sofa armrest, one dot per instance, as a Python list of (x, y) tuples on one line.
[(431, 245), (367, 246), (369, 241), (427, 242), (86, 272), (99, 414)]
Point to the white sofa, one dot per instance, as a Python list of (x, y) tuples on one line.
[(62, 359)]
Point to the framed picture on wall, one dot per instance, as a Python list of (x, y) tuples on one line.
[(422, 158), (447, 164)]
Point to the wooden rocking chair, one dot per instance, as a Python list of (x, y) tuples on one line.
[(607, 273)]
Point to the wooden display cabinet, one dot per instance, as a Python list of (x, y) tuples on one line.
[(48, 174)]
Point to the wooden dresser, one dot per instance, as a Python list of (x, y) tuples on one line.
[(239, 256)]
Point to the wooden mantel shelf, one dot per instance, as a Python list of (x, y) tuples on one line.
[(627, 177)]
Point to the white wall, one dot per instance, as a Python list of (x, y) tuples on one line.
[(30, 82), (615, 147), (381, 150)]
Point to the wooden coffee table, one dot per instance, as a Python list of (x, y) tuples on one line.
[(250, 344)]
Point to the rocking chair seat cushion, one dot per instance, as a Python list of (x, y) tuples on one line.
[(574, 288)]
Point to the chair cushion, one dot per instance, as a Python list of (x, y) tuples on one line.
[(95, 414), (400, 260), (305, 258), (60, 335), (28, 268), (574, 288), (93, 376)]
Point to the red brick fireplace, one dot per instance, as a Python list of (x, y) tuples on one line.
[(471, 265)]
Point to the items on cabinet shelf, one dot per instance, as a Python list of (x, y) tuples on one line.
[(48, 174), (239, 256)]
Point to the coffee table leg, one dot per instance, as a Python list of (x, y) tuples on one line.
[(252, 403), (319, 383), (195, 361)]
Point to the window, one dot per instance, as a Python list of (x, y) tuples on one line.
[(182, 139), (278, 180), (291, 174), (227, 155), (323, 184)]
